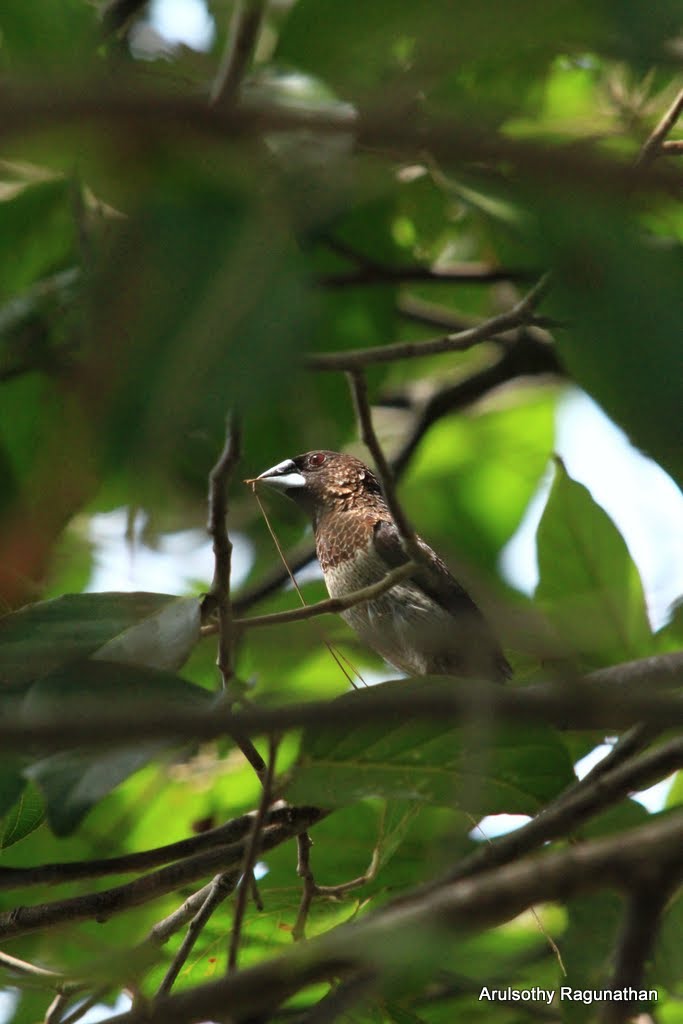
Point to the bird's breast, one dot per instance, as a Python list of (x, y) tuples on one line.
[(399, 624)]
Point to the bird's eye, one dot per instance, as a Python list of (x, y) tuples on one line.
[(316, 459)]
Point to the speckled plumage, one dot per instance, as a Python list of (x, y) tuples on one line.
[(427, 624)]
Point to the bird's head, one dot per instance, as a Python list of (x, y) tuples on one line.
[(322, 481)]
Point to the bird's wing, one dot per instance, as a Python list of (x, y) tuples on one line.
[(435, 580), (433, 577)]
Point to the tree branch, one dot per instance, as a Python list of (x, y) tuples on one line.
[(242, 37), (355, 359), (329, 605), (251, 852), (359, 391), (213, 895), (219, 595), (645, 905), (101, 905), (219, 479), (467, 906), (653, 144), (571, 809), (224, 835), (611, 699)]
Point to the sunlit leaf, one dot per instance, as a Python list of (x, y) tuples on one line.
[(589, 586), (480, 770), (140, 628)]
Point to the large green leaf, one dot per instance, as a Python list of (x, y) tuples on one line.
[(620, 288), (158, 630), (24, 817), (481, 770), (72, 782), (589, 586)]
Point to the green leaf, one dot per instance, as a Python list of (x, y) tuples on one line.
[(11, 781), (589, 586), (37, 227), (482, 771), (158, 630), (73, 782), (27, 814), (621, 289)]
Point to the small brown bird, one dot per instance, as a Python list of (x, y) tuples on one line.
[(426, 624)]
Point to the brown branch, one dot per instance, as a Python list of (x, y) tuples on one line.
[(219, 595), (528, 355), (162, 115), (101, 905), (219, 479), (330, 605), (242, 36), (162, 931), (354, 359), (467, 906), (224, 835), (251, 852), (611, 699), (672, 146), (359, 392), (653, 144), (341, 998), (571, 809), (50, 979), (644, 909), (312, 889), (213, 895)]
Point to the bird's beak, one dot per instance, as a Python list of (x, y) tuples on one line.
[(283, 477)]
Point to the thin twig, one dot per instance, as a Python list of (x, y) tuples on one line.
[(470, 905), (644, 909), (341, 998), (219, 479), (54, 1011), (302, 599), (330, 605), (250, 854), (162, 931), (80, 1011), (359, 391), (218, 890), (52, 979), (571, 809), (103, 904), (311, 888), (653, 144), (223, 835), (673, 146), (219, 595), (528, 355), (520, 315), (242, 37), (303, 870)]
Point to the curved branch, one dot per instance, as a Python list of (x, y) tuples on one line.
[(100, 906), (224, 835), (611, 699), (468, 905), (355, 359)]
